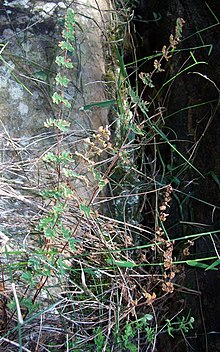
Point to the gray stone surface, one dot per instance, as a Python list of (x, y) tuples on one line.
[(30, 31)]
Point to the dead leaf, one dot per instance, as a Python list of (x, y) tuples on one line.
[(167, 287)]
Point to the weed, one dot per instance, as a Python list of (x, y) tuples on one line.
[(91, 277)]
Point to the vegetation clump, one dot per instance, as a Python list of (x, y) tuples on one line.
[(91, 273)]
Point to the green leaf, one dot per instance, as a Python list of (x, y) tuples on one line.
[(199, 265), (61, 61), (66, 45), (41, 75), (102, 184), (129, 331), (69, 32), (45, 222), (100, 104), (58, 209), (65, 232), (213, 265), (170, 329), (50, 158), (176, 180), (148, 317), (85, 209), (70, 19), (99, 339), (66, 191), (64, 157), (53, 158), (146, 79), (136, 129), (215, 178), (61, 124), (28, 303), (49, 233), (27, 276), (61, 267), (72, 243), (121, 63), (121, 264), (58, 99), (51, 194), (34, 263), (62, 80)]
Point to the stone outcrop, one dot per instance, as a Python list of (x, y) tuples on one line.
[(30, 31)]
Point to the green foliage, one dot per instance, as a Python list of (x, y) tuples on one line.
[(61, 124), (198, 264), (59, 99), (27, 304), (128, 335), (85, 209), (182, 324), (63, 62), (146, 79), (106, 267), (121, 264), (66, 45), (100, 104), (62, 80), (99, 339), (63, 158)]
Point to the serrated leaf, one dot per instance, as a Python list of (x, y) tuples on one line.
[(146, 79), (57, 99), (62, 80), (51, 194), (65, 156), (45, 222), (59, 208), (27, 276), (66, 45), (61, 61), (61, 124), (49, 233), (65, 232), (50, 157)]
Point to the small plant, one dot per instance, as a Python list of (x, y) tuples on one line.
[(182, 324), (60, 162)]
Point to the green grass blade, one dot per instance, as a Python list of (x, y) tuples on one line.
[(99, 104)]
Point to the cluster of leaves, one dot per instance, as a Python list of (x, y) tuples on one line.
[(125, 340), (61, 161)]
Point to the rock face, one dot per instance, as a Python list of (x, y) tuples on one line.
[(30, 31)]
